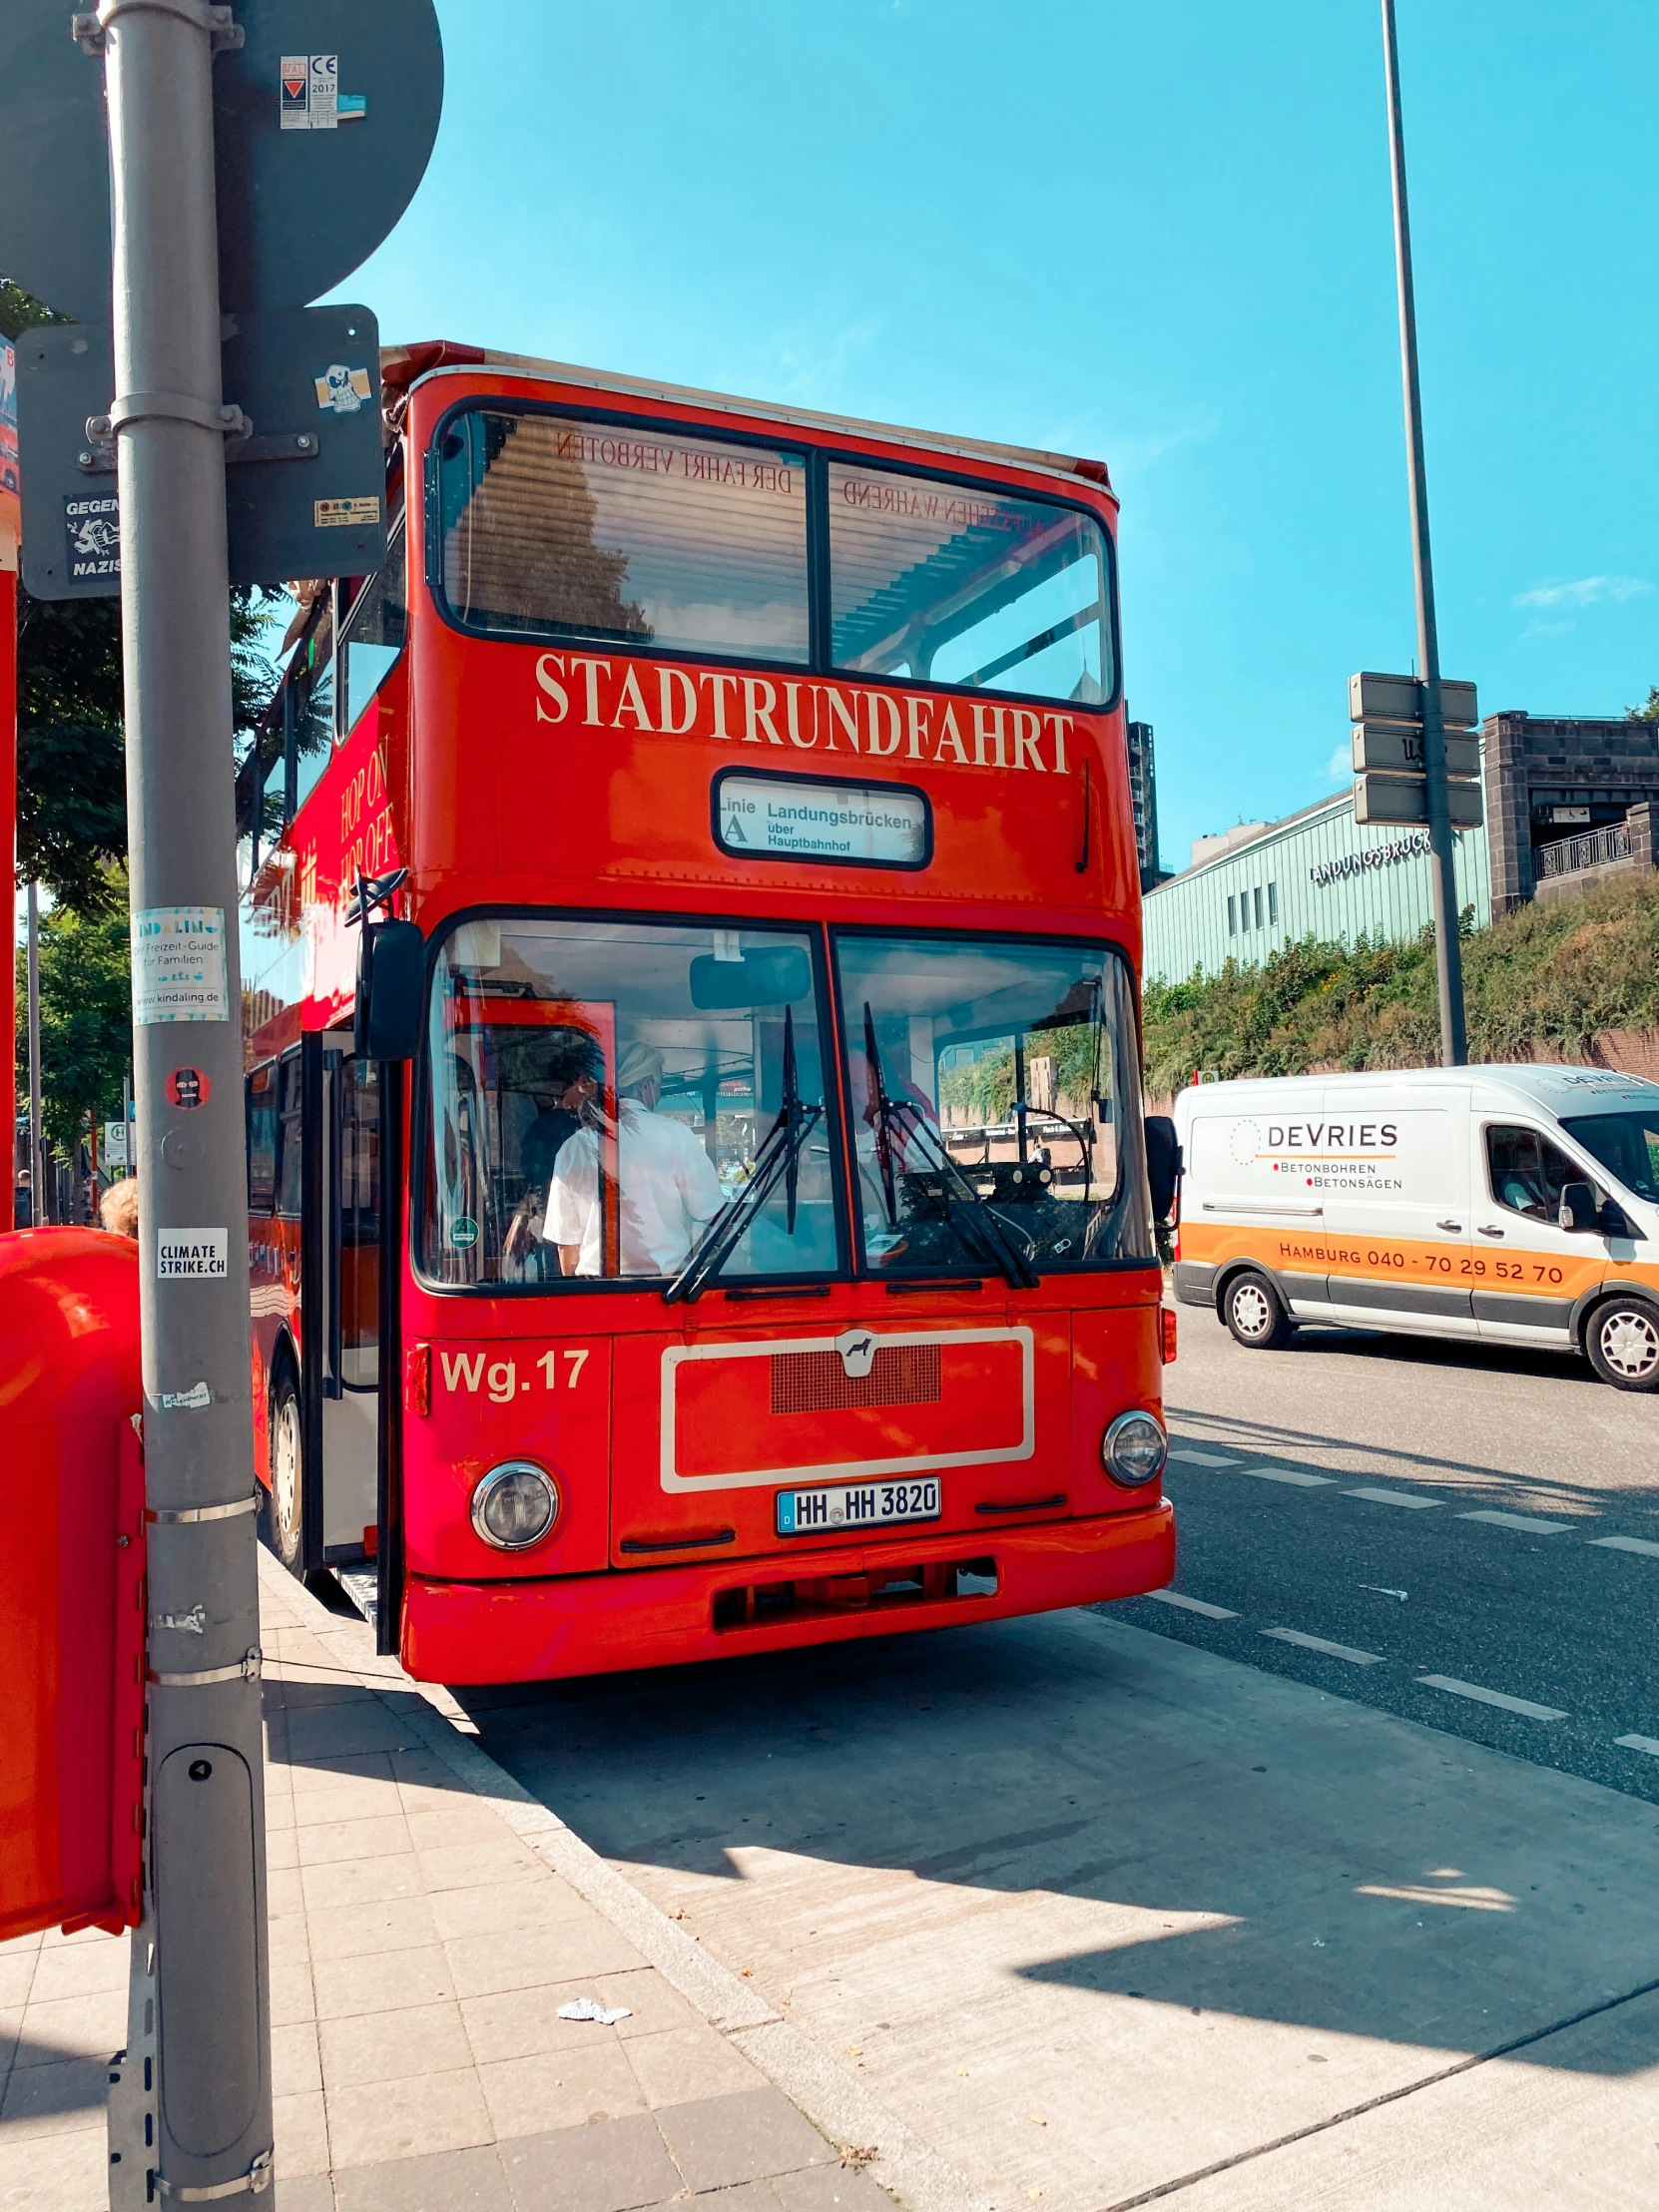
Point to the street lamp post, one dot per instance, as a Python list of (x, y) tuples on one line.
[(1448, 957)]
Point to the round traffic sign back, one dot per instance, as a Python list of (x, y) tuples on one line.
[(323, 123)]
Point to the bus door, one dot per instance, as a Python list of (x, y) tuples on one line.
[(346, 1419)]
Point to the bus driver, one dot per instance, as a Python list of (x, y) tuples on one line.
[(668, 1186)]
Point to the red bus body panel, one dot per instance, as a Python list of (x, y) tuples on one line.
[(531, 1631)]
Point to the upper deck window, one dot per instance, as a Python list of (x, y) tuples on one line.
[(374, 633), (948, 583), (643, 537)]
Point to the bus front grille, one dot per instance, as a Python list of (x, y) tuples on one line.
[(817, 1383)]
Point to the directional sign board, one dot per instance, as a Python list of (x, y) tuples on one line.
[(1398, 747), (305, 491), (1373, 698), (323, 123), (1404, 799)]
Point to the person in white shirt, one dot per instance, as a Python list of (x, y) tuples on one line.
[(668, 1190)]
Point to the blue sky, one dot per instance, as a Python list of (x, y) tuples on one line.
[(1157, 235)]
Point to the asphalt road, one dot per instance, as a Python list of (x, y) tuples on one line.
[(1560, 1615), (997, 1875)]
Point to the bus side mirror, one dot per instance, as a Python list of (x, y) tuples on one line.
[(1579, 1208), (391, 991), (1163, 1163)]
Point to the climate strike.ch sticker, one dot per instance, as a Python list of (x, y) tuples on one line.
[(192, 1254)]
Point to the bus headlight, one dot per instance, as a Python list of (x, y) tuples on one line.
[(1134, 1448), (514, 1505)]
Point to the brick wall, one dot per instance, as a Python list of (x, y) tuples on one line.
[(1568, 761)]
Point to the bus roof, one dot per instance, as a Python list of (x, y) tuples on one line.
[(403, 366)]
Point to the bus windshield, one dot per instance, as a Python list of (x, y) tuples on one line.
[(992, 1095), (600, 1092)]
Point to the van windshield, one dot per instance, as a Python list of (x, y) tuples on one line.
[(1626, 1145)]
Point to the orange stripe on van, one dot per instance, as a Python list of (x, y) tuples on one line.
[(1361, 1260)]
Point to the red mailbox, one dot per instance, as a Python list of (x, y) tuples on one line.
[(71, 1581)]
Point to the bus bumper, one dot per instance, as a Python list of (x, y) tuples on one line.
[(536, 1631)]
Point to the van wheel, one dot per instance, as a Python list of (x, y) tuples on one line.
[(1255, 1313), (284, 1507), (1622, 1339)]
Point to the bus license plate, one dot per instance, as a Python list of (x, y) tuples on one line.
[(857, 1505)]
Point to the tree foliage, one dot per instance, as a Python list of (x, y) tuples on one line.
[(1543, 982), (86, 1033), (20, 312)]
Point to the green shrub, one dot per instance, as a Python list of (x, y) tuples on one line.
[(1540, 983)]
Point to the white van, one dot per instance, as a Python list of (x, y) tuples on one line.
[(1512, 1204)]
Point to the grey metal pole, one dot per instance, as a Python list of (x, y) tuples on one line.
[(37, 1143), (200, 1961), (1448, 952)]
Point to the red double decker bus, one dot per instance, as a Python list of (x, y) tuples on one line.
[(748, 1241)]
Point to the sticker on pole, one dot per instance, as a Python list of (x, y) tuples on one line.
[(92, 537), (337, 514), (193, 1254), (188, 1088), (179, 964), (341, 388), (311, 98), (193, 1400), (310, 92)]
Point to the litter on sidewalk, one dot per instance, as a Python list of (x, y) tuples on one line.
[(589, 2008)]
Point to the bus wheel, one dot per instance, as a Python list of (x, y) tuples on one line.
[(1253, 1310), (1622, 1339), (287, 1465)]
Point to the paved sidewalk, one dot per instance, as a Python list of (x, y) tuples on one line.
[(423, 1939)]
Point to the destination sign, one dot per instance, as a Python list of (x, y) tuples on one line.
[(807, 818)]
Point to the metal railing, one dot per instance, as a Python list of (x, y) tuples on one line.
[(1590, 850)]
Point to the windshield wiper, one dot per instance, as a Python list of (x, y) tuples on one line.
[(1002, 1252), (778, 1157)]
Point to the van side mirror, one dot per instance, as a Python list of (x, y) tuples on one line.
[(1163, 1164), (391, 991), (1578, 1210)]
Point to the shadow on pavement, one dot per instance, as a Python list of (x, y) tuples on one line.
[(1156, 1823)]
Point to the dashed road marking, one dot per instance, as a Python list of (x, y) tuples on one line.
[(1200, 1459), (1626, 1544), (1523, 1522), (1293, 1475), (1319, 1643), (1395, 1497), (1193, 1605), (1474, 1690), (1649, 1744)]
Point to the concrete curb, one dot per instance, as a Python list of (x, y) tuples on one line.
[(831, 2098)]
